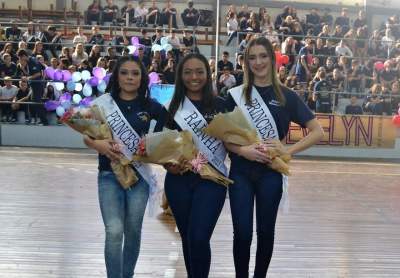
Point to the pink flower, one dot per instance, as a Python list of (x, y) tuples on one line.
[(198, 162)]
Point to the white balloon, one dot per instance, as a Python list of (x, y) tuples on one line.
[(78, 87), (60, 111), (132, 49), (85, 75), (76, 76), (59, 86), (76, 98), (102, 86), (156, 47), (87, 90), (167, 47)]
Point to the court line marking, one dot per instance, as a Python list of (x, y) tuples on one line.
[(346, 173), (49, 152)]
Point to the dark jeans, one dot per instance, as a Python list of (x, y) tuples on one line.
[(165, 18), (196, 204), (323, 107), (264, 186), (231, 37)]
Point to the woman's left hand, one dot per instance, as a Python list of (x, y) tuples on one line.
[(276, 144)]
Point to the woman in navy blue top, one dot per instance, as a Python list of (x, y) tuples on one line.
[(196, 203), (122, 210), (253, 180)]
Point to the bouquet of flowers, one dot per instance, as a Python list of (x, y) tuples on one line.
[(234, 128), (172, 146), (90, 121)]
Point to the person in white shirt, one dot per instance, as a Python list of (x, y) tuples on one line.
[(388, 40), (7, 93), (226, 81), (174, 40), (343, 50), (80, 37), (232, 25), (79, 54), (140, 14)]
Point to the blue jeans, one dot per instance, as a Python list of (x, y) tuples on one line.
[(260, 184), (122, 211), (196, 204)]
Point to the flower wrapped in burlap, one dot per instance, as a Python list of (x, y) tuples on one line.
[(174, 147), (233, 127), (91, 122)]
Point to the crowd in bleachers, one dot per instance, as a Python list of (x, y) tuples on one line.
[(328, 61)]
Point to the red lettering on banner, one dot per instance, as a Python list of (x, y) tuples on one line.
[(360, 129)]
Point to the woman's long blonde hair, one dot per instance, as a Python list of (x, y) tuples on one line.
[(248, 79)]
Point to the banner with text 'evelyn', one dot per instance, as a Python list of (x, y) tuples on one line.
[(354, 131)]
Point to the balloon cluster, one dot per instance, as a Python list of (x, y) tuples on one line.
[(379, 65), (81, 83), (164, 45), (396, 119)]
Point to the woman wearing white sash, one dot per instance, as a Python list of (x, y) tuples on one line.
[(127, 107), (253, 181), (195, 202)]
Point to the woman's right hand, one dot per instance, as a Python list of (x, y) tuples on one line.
[(108, 148), (254, 153)]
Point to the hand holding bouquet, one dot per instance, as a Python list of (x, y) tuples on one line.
[(91, 122), (171, 147), (234, 128)]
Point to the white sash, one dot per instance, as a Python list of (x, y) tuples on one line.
[(124, 134), (257, 113), (259, 116), (189, 118)]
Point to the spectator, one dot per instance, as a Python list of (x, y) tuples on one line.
[(343, 50), (360, 21), (51, 41), (395, 97), (374, 101), (169, 72), (189, 41), (327, 18), (343, 20), (388, 41), (253, 24), (94, 55), (287, 25), (140, 14), (156, 38), (80, 37), (102, 63), (13, 33), (175, 42), (353, 108), (122, 41), (111, 54), (226, 81), (338, 34), (39, 50), (375, 48), (305, 57), (153, 16), (142, 57), (54, 63), (93, 13), (265, 22), (190, 15), (9, 49), (110, 13), (361, 42), (388, 75), (24, 94), (243, 43), (329, 66), (272, 35), (225, 62), (232, 27), (322, 96), (282, 74), (168, 15), (66, 54), (79, 54), (281, 17), (30, 36), (84, 65), (9, 68), (354, 77), (7, 93), (325, 33), (128, 13), (96, 38), (313, 21), (24, 45)]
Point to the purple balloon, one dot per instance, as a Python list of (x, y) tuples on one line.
[(86, 102), (134, 40), (98, 73), (107, 78), (153, 78), (93, 81), (51, 105), (49, 72), (67, 76), (58, 75), (65, 97)]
